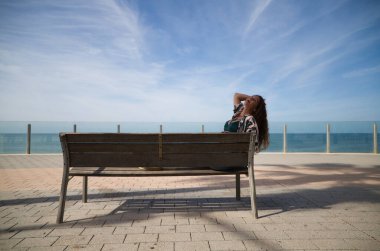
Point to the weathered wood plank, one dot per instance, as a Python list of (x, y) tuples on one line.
[(205, 148), (192, 147), (153, 137), (111, 137), (145, 159), (114, 147), (207, 137), (166, 172)]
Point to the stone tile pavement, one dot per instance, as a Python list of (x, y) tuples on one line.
[(305, 201)]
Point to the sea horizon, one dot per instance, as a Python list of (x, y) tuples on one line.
[(302, 136)]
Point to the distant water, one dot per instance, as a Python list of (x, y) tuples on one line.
[(301, 136)]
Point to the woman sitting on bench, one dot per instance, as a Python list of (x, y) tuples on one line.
[(250, 116)]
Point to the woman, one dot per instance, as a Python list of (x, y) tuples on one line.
[(250, 116)]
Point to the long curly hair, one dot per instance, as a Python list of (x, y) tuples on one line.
[(260, 115)]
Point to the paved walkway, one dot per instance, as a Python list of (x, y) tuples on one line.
[(305, 201)]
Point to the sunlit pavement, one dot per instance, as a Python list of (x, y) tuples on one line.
[(305, 201)]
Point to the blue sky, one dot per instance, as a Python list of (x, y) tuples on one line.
[(183, 60)]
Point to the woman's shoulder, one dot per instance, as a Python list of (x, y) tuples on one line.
[(247, 124)]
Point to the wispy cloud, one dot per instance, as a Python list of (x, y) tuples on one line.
[(178, 61), (362, 72), (259, 8)]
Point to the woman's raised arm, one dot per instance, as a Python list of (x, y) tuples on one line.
[(238, 97)]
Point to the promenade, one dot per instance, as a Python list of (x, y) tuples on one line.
[(305, 202)]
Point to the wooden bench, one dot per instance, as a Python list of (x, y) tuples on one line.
[(179, 154)]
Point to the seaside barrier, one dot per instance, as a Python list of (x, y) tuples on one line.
[(375, 150), (285, 139), (327, 138)]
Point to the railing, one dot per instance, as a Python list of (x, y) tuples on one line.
[(328, 141), (292, 141)]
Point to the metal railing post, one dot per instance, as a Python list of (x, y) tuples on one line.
[(327, 138), (203, 128), (28, 138), (375, 150), (118, 128), (285, 147), (160, 128), (75, 128)]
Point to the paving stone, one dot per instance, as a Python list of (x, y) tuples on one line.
[(53, 248), (162, 246), (260, 220), (18, 249), (337, 226), (129, 230), (190, 228), (117, 223), (203, 221), (84, 247), (7, 235), (367, 226), (149, 222), (262, 245), (238, 214), (88, 223), (32, 233), (159, 229), (207, 236), (297, 244), (230, 221), (373, 234), (130, 216), (141, 238), (66, 231), (98, 230), (37, 242), (277, 235), (247, 235), (249, 227), (108, 238), (227, 245), (8, 244), (180, 221), (174, 237), (367, 245), (117, 247), (72, 240), (330, 244), (192, 246), (219, 228)]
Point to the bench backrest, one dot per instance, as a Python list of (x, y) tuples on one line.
[(156, 149)]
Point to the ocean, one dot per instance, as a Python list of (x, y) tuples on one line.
[(350, 136)]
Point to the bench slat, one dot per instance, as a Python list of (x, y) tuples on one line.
[(193, 147), (153, 137), (114, 147), (109, 171), (148, 160), (110, 137), (207, 137)]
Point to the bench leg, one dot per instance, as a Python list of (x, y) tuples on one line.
[(238, 186), (252, 190), (85, 185), (62, 197)]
